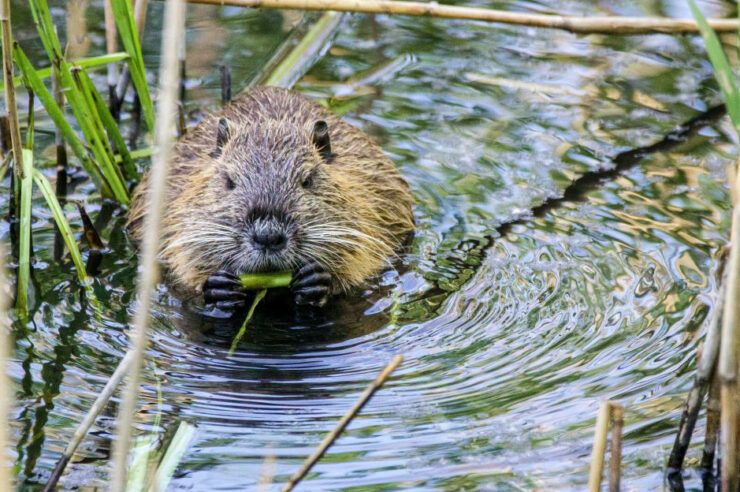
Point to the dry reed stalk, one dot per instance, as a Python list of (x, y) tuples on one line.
[(615, 459), (6, 394), (597, 453), (596, 24), (728, 359), (95, 410), (704, 375), (342, 424), (172, 36), (10, 106)]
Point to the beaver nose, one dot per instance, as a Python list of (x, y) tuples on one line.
[(270, 239)]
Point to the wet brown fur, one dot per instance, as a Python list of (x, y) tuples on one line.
[(352, 219)]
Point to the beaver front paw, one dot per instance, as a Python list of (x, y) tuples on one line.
[(223, 290), (310, 285)]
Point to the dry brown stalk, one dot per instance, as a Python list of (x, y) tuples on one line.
[(596, 24), (15, 132), (169, 74), (95, 410), (597, 453), (332, 436), (615, 459), (728, 358)]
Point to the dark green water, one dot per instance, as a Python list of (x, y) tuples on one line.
[(510, 342)]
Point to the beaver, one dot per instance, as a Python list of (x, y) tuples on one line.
[(276, 182)]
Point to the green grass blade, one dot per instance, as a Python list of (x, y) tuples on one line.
[(61, 221), (722, 70), (90, 63), (24, 241), (124, 15), (84, 111), (55, 113), (110, 125)]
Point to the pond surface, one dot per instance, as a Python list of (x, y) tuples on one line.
[(510, 342)]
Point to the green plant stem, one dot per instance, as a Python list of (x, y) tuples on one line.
[(260, 295), (24, 251), (256, 281)]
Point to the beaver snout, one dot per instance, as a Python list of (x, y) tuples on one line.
[(270, 238)]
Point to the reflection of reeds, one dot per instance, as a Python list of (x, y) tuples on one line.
[(172, 35)]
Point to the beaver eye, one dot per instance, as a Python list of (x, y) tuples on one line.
[(307, 182), (230, 185)]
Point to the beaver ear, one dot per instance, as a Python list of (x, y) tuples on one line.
[(222, 136), (320, 139)]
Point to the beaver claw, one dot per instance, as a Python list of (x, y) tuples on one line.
[(223, 290), (310, 285)]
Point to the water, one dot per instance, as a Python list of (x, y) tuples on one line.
[(510, 342)]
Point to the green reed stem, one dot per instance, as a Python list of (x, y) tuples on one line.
[(24, 240)]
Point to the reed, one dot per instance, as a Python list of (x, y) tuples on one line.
[(615, 458), (575, 24), (56, 114), (24, 238), (9, 88), (90, 63), (257, 298), (81, 104), (56, 209), (730, 331), (599, 448), (127, 29), (342, 424), (174, 21)]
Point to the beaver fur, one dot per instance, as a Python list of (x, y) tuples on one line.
[(274, 163)]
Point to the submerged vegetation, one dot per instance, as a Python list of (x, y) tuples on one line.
[(109, 161)]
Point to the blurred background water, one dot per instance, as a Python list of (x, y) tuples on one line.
[(510, 341)]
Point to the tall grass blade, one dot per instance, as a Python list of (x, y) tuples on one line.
[(86, 63), (124, 15), (85, 113), (24, 240), (55, 113), (110, 125), (726, 79), (62, 224)]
